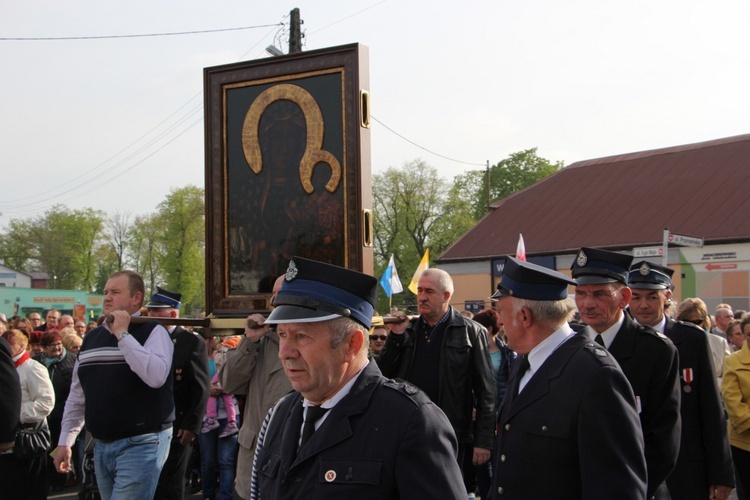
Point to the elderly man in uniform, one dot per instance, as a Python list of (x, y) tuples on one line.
[(568, 427), (346, 431), (705, 460), (648, 358), (191, 390)]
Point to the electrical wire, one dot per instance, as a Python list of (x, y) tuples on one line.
[(45, 201), (424, 148), (143, 35)]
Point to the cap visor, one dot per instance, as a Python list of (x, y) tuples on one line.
[(591, 279), (648, 286), (296, 314), (501, 292), (157, 305)]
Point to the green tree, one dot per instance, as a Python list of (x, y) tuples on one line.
[(516, 172), (415, 209), (16, 248), (64, 245), (146, 249), (182, 220)]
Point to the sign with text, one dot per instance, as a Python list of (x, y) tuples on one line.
[(686, 241), (648, 252)]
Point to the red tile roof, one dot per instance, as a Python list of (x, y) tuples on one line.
[(623, 201)]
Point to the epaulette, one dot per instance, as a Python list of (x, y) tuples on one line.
[(650, 331), (407, 389), (597, 351)]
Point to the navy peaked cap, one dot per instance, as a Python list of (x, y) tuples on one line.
[(649, 276), (164, 298), (525, 280), (314, 291), (595, 266)]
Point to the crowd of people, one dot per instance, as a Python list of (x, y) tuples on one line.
[(618, 392)]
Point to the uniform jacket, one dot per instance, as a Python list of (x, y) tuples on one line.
[(466, 379), (650, 362), (191, 385), (572, 432), (705, 457), (736, 391), (384, 440)]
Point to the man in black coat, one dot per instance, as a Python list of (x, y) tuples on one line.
[(10, 398), (346, 431), (191, 390), (447, 356), (704, 466), (648, 358), (568, 426)]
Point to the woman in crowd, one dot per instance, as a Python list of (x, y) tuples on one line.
[(694, 310), (72, 343), (502, 361), (26, 478), (23, 324), (734, 335), (59, 363), (735, 390)]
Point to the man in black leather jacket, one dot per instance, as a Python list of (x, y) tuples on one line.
[(447, 356)]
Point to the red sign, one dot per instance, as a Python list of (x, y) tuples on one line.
[(711, 267)]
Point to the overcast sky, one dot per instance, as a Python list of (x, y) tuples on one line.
[(115, 123)]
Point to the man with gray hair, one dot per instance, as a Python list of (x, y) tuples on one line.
[(346, 431), (447, 356), (723, 317), (569, 409)]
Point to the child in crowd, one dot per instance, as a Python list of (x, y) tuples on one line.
[(209, 422)]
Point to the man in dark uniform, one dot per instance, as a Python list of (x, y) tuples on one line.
[(648, 358), (191, 390), (705, 460), (364, 436), (568, 427)]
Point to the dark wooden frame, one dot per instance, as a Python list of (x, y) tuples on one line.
[(351, 61)]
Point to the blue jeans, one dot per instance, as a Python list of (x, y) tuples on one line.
[(129, 468), (218, 454)]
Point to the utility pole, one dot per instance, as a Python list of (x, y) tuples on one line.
[(488, 187), (295, 32)]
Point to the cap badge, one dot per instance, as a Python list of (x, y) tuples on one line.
[(644, 269), (581, 260), (291, 271)]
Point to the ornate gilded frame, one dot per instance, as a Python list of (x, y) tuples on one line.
[(305, 114)]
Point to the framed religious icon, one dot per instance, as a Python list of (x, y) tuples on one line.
[(287, 171)]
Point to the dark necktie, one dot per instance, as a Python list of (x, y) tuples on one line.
[(523, 365), (314, 413), (599, 340)]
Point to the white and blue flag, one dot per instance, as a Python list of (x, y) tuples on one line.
[(390, 281)]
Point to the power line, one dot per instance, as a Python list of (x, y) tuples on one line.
[(144, 35), (424, 148)]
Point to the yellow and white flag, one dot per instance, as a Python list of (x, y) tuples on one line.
[(424, 264)]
